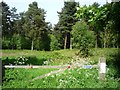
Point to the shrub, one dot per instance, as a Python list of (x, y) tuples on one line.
[(54, 44), (82, 38)]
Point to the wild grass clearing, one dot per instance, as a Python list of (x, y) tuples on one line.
[(70, 78)]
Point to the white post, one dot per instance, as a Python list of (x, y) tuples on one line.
[(102, 68)]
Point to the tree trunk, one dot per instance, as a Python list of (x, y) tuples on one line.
[(71, 44), (104, 43), (113, 42), (65, 41), (12, 44), (32, 45), (105, 39), (117, 41), (96, 42), (113, 45), (37, 43)]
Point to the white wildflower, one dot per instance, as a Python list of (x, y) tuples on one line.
[(20, 62), (77, 8), (90, 11), (61, 80)]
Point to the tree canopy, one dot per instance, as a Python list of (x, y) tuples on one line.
[(82, 27)]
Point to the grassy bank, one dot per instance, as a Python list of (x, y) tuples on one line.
[(59, 57), (71, 78), (38, 57)]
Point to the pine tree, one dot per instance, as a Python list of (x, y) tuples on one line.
[(66, 21), (5, 20), (35, 26)]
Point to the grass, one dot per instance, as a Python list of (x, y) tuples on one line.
[(76, 78), (104, 52), (19, 78), (58, 57), (71, 78), (53, 57)]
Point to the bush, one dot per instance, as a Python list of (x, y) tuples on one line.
[(54, 44), (82, 38)]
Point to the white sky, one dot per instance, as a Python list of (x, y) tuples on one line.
[(51, 6)]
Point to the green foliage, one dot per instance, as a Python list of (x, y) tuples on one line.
[(82, 38), (60, 57), (19, 78), (35, 27), (65, 23), (115, 16), (6, 44), (70, 78), (54, 44), (25, 60), (25, 43), (5, 19), (20, 31), (100, 20), (29, 29), (21, 60), (16, 41), (57, 57), (106, 52)]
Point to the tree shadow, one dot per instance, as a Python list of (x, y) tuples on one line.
[(113, 61), (116, 63), (35, 61)]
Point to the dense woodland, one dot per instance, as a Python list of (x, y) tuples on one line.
[(81, 27)]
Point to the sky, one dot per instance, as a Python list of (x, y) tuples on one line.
[(50, 6)]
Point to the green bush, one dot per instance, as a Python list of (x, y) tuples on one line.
[(54, 44), (16, 40), (82, 38)]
